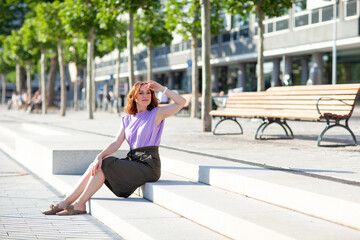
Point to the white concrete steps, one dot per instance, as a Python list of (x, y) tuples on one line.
[(138, 218), (237, 216), (336, 202)]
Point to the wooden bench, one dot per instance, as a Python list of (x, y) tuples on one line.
[(332, 103)]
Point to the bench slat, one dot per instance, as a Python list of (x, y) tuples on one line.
[(351, 86), (290, 102)]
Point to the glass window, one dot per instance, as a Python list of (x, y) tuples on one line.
[(315, 16), (177, 47), (282, 25), (214, 40), (300, 6), (226, 37), (244, 32), (327, 13), (238, 21), (234, 36), (302, 20), (270, 27), (351, 8)]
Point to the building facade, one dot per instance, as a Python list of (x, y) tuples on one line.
[(298, 51)]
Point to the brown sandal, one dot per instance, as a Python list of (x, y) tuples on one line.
[(69, 210), (53, 210)]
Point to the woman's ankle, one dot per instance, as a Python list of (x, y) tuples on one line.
[(62, 204), (79, 206)]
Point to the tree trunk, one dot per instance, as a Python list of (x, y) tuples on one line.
[(28, 78), (93, 95), (130, 43), (89, 85), (149, 51), (18, 85), (76, 105), (117, 84), (3, 83), (260, 58), (51, 81), (206, 71), (62, 79), (42, 77), (22, 79), (194, 77)]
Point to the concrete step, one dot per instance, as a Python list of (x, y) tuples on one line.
[(237, 216), (132, 218), (136, 217), (333, 201), (222, 211)]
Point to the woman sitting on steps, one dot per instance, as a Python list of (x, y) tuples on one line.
[(142, 128)]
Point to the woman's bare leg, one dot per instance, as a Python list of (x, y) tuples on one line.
[(78, 190), (94, 184)]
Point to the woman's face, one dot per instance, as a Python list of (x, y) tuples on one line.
[(143, 98)]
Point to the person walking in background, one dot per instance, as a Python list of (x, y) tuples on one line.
[(142, 129)]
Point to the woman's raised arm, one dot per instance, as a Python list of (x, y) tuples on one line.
[(169, 109)]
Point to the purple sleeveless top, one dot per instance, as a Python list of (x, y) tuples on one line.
[(141, 130)]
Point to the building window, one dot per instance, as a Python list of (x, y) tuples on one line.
[(234, 36), (300, 6), (302, 20), (327, 13), (270, 27), (226, 37), (238, 21), (177, 47), (244, 31), (214, 40), (351, 8), (282, 25), (315, 16)]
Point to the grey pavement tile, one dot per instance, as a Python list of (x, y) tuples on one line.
[(23, 235)]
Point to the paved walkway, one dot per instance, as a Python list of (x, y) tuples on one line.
[(22, 198)]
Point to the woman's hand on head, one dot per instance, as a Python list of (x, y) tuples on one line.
[(95, 165), (152, 85)]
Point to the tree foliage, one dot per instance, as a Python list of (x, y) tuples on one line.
[(262, 8), (150, 27)]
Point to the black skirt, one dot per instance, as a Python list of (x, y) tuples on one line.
[(124, 175)]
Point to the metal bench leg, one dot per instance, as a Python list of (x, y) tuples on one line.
[(336, 124), (266, 122), (222, 119)]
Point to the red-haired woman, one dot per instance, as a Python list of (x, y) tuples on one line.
[(142, 128)]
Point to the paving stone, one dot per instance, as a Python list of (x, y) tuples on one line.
[(21, 207)]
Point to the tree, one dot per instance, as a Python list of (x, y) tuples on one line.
[(150, 30), (46, 41), (131, 7), (273, 8), (48, 14), (5, 68), (90, 18), (30, 45), (75, 54), (12, 15), (13, 54), (109, 43), (184, 17), (206, 71)]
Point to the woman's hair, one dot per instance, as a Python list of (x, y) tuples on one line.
[(131, 104)]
